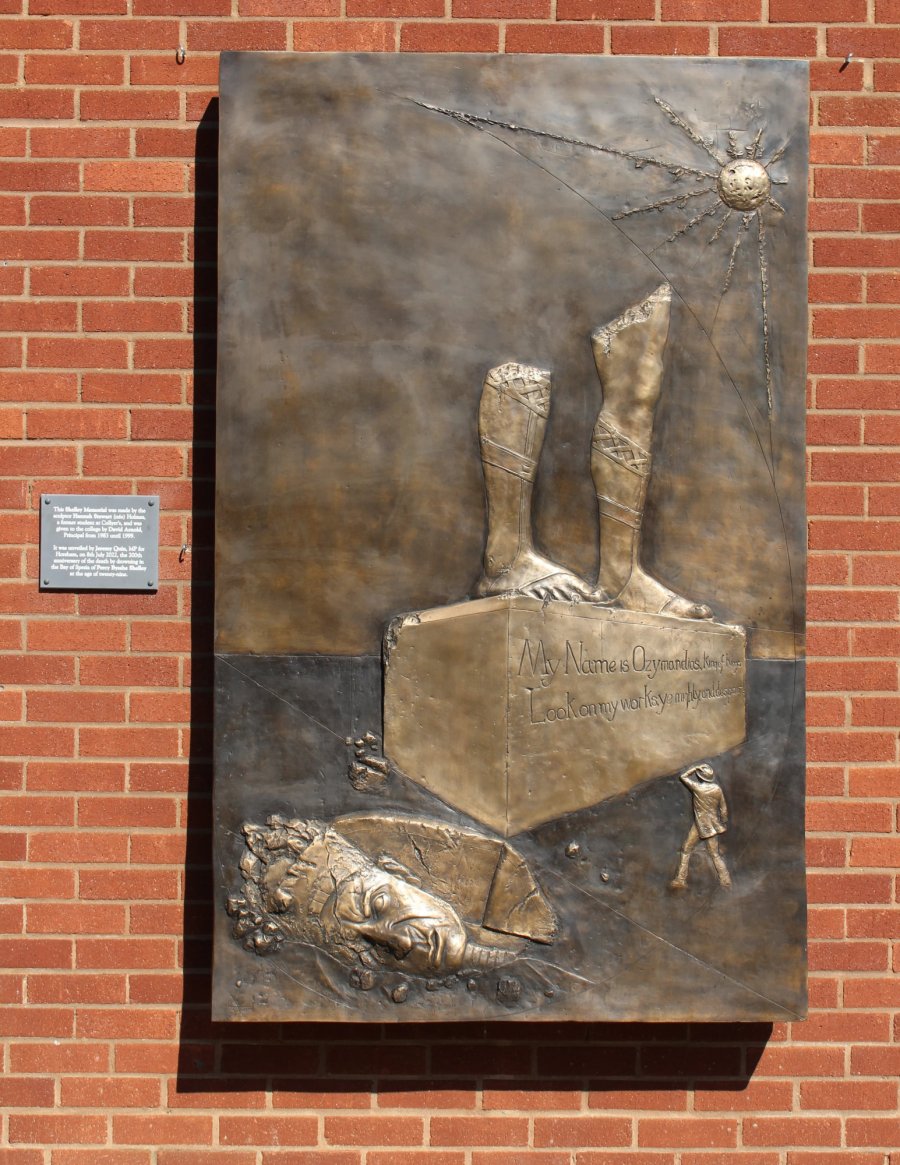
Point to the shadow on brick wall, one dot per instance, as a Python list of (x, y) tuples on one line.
[(403, 1063)]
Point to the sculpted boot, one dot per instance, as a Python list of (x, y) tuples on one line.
[(628, 354), (512, 419)]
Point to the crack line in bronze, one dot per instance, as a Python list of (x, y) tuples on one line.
[(337, 735)]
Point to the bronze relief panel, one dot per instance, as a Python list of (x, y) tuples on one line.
[(510, 530)]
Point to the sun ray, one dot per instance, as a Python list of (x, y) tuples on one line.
[(676, 119), (764, 298), (777, 205), (688, 226), (734, 149), (680, 199), (777, 155), (729, 271), (753, 150), (721, 227), (676, 169)]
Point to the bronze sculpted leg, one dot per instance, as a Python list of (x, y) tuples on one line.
[(718, 861), (512, 419), (679, 882), (628, 353)]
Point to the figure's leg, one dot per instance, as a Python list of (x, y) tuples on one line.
[(718, 861), (512, 419), (684, 858), (629, 356)]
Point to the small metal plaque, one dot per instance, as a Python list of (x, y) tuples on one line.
[(99, 542)]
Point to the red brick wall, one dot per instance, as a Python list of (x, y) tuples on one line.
[(107, 284)]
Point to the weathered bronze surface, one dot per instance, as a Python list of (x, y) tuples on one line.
[(509, 693)]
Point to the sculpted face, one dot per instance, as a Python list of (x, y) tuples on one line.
[(419, 928), (305, 882)]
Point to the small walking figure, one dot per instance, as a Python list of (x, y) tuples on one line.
[(710, 819)]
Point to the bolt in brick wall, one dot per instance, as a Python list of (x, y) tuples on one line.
[(107, 291)]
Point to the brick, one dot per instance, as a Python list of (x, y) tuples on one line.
[(30, 740), (131, 387), (448, 38), (36, 1022), (135, 316), (133, 176), (65, 635), (132, 460), (280, 1130), (79, 210), (78, 352), (224, 1157), (883, 288), (246, 34), (867, 42), (130, 811), (77, 424), (35, 669), (31, 810), (126, 954), (879, 781), (128, 741), (847, 675), (80, 988), (861, 252), (712, 10), (875, 1061), (872, 1130), (129, 105), (673, 40), (850, 888), (78, 142), (767, 42), (844, 956), (840, 1157), (573, 1131), (856, 323), (876, 852), (554, 38), (57, 1128), (34, 461), (135, 1024), (878, 358), (604, 10), (884, 149), (831, 11), (163, 353), (195, 70), (78, 69), (505, 9), (134, 246), (37, 34), (870, 993), (854, 466), (26, 1092), (94, 1156), (164, 1129), (59, 1056), (463, 1130), (126, 885), (852, 746), (37, 104), (789, 1130), (143, 671)]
